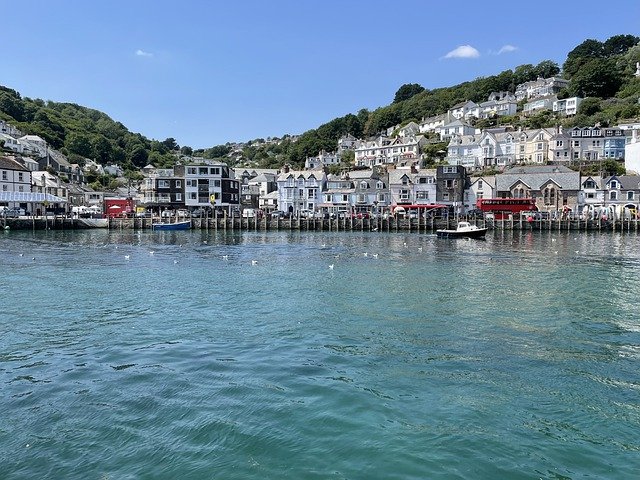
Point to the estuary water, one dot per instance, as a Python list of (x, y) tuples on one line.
[(212, 355)]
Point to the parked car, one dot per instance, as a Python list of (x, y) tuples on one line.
[(278, 214), (183, 213), (143, 214)]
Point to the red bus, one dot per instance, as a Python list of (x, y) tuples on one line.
[(502, 207)]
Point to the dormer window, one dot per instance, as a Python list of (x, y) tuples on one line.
[(613, 185), (589, 184), (364, 185), (379, 185)]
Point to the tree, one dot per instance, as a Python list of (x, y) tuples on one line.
[(171, 144), (79, 144), (587, 50), (619, 44), (590, 106), (188, 151), (406, 91), (546, 69), (101, 149), (597, 77)]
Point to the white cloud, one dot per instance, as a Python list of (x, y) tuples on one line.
[(507, 49), (463, 51), (142, 53)]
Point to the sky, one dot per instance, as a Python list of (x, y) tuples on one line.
[(211, 72)]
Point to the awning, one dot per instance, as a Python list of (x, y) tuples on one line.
[(30, 197)]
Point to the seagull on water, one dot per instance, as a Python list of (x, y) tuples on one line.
[(419, 249), (175, 261), (225, 257), (331, 267), (126, 257), (365, 254), (22, 254), (151, 252), (254, 262), (375, 255)]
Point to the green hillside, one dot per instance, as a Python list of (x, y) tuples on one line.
[(600, 72)]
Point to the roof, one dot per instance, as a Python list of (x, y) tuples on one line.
[(537, 176), (627, 182), (8, 163), (30, 197)]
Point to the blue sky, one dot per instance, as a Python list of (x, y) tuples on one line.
[(209, 72)]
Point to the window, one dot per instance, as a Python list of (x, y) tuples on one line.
[(382, 197), (449, 170), (448, 183), (191, 171), (422, 195), (549, 195), (591, 195), (178, 197), (364, 185), (362, 198), (613, 195), (345, 198), (216, 183), (558, 143), (379, 185), (163, 183), (479, 184), (5, 188), (445, 197), (576, 143), (613, 184), (405, 180), (21, 188), (192, 196), (539, 146), (203, 171), (404, 194), (629, 195), (589, 184), (178, 183), (327, 199), (313, 193), (4, 174), (20, 179), (215, 171)]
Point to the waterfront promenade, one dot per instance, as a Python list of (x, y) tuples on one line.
[(391, 224)]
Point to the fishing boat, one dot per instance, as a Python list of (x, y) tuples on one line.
[(463, 229), (186, 225)]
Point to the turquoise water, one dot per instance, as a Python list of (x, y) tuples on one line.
[(514, 357)]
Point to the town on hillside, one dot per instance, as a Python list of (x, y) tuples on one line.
[(386, 172)]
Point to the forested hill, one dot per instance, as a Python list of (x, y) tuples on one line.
[(600, 72)]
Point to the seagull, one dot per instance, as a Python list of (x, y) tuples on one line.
[(375, 229), (33, 258), (556, 252), (225, 257), (205, 242), (553, 239), (577, 251), (22, 254), (254, 262), (151, 252), (175, 261), (324, 245), (419, 249), (405, 244), (375, 255), (365, 254), (126, 257), (331, 267)]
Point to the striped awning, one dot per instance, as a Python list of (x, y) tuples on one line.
[(30, 197)]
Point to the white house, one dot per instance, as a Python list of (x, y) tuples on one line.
[(479, 188), (385, 150), (539, 103), (14, 177), (300, 190), (456, 127), (464, 110), (567, 106), (541, 87), (432, 123), (11, 143), (632, 152)]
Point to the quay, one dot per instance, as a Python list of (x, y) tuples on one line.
[(391, 224)]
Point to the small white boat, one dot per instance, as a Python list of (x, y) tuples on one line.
[(464, 229)]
